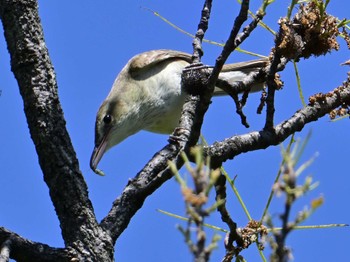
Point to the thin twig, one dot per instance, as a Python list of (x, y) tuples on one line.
[(202, 28)]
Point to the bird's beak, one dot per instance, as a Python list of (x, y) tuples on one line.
[(98, 153)]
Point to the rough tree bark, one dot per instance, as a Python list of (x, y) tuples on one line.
[(35, 75)]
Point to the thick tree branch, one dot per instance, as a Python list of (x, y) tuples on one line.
[(25, 250), (35, 75), (231, 147)]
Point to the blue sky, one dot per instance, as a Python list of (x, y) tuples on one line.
[(89, 43)]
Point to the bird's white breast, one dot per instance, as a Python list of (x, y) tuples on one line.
[(165, 98)]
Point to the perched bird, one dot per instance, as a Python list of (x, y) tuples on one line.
[(147, 95)]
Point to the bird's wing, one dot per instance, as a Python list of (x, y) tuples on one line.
[(148, 59)]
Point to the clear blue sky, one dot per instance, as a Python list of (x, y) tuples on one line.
[(89, 42)]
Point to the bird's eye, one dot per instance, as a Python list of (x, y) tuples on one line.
[(107, 119)]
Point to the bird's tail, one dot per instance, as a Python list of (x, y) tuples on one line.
[(238, 77)]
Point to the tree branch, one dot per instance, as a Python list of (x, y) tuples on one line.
[(25, 250), (236, 145), (36, 78), (202, 28), (234, 39), (232, 235)]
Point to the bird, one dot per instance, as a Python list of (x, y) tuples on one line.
[(147, 95)]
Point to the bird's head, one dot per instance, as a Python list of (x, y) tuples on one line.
[(111, 127)]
